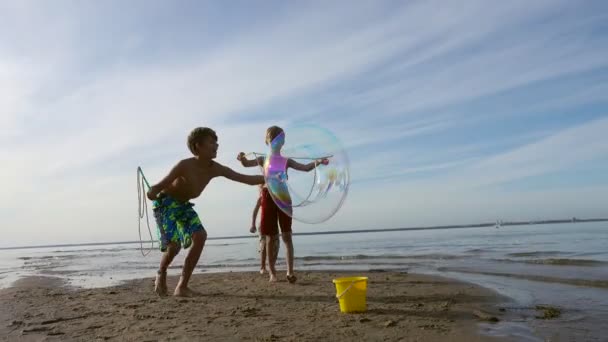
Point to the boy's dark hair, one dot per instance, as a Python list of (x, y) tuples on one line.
[(272, 132), (198, 135)]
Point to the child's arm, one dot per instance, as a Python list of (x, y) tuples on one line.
[(241, 178), (255, 211), (306, 167), (249, 163), (165, 182)]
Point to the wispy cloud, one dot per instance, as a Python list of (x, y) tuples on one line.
[(452, 97), (554, 153)]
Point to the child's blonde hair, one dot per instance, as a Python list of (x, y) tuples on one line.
[(273, 132), (198, 135)]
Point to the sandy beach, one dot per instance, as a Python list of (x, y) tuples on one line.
[(244, 306)]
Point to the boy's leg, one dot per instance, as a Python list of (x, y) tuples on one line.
[(272, 259), (262, 254), (160, 285), (289, 254), (285, 222), (171, 248), (198, 242), (269, 228)]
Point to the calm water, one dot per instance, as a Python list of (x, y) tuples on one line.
[(561, 264)]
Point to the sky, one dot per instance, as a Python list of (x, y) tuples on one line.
[(451, 112)]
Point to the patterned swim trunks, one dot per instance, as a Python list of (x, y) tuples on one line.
[(176, 221)]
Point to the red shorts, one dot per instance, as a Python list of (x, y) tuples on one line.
[(272, 216)]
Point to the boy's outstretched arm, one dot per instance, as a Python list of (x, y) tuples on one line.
[(241, 178), (249, 163), (306, 167), (165, 182)]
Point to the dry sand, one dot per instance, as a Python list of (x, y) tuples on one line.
[(245, 307)]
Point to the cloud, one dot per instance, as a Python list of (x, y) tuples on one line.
[(557, 152), (17, 84), (429, 96), (562, 150)]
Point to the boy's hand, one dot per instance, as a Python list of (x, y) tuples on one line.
[(152, 194), (240, 156), (323, 161)]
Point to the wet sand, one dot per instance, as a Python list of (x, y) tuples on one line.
[(245, 307)]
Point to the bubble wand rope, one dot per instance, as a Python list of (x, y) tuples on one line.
[(143, 209), (259, 154)]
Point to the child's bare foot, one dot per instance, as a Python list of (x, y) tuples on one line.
[(262, 271), (253, 229), (160, 284), (273, 278), (185, 292)]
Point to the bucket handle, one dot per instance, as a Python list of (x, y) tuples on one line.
[(344, 292)]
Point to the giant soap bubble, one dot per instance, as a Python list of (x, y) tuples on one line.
[(312, 196)]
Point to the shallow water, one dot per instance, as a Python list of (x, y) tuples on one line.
[(565, 265)]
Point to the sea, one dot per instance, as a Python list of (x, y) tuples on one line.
[(563, 265)]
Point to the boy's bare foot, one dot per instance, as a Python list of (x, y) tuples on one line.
[(160, 284), (273, 278), (291, 278), (185, 292), (262, 271), (253, 229)]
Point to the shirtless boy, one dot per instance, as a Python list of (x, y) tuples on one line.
[(178, 224)]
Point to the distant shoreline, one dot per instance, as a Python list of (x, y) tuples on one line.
[(332, 232)]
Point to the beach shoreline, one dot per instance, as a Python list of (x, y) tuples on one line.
[(244, 306)]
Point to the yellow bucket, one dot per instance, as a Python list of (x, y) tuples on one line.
[(351, 292)]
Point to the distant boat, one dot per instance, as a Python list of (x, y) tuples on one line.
[(498, 224)]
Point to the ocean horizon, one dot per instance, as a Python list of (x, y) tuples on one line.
[(498, 223)]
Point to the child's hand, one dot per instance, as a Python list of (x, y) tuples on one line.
[(151, 196), (323, 161), (240, 156)]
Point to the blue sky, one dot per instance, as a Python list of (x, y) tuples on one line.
[(451, 112)]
